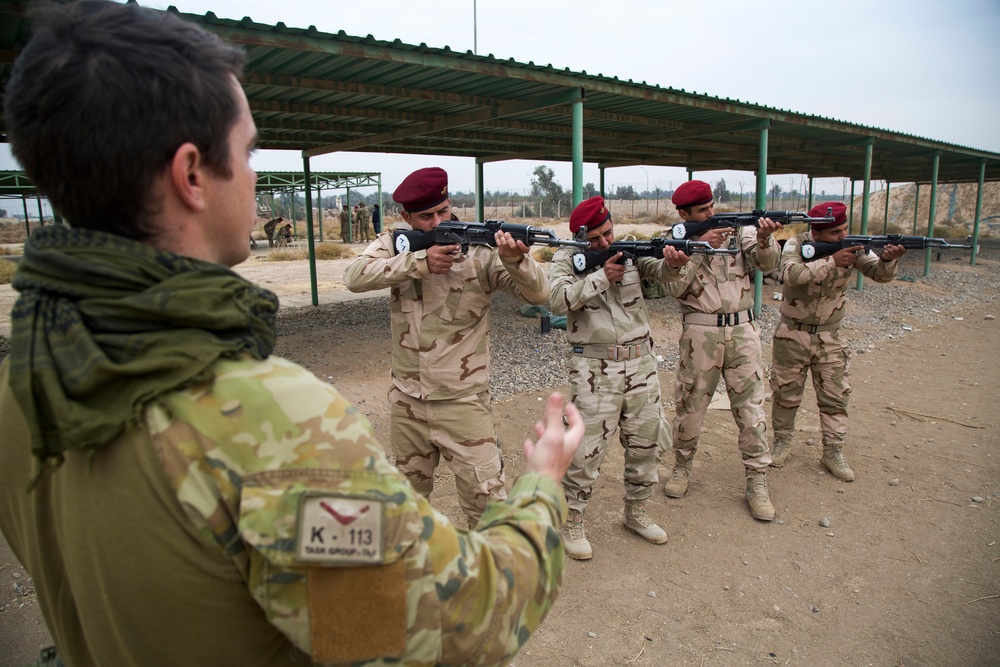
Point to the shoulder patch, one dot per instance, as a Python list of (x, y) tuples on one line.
[(338, 530)]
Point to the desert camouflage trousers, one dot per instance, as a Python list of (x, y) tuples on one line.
[(827, 359), (460, 431), (623, 396), (733, 353)]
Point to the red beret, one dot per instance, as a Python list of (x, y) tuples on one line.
[(837, 210), (422, 189), (590, 213), (692, 193)]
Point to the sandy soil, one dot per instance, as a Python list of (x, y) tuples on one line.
[(906, 573)]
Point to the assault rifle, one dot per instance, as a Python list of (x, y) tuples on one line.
[(813, 250), (582, 261), (683, 230), (451, 232)]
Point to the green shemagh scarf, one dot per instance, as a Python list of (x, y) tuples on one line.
[(103, 325)]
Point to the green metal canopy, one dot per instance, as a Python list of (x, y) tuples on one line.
[(320, 92)]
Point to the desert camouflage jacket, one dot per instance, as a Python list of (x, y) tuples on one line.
[(724, 283), (598, 312), (254, 519), (440, 323), (816, 292)]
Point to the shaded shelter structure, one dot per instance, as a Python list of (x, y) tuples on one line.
[(319, 93), (291, 182), (17, 185)]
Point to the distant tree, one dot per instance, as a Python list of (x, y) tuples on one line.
[(589, 191), (625, 192), (721, 193), (544, 186), (775, 193), (3, 213)]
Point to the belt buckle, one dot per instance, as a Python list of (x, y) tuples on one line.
[(613, 352), (813, 328)]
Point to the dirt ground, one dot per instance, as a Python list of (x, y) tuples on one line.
[(905, 572)]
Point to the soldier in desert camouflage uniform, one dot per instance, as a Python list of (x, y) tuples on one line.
[(365, 232), (178, 495), (720, 340), (440, 301), (613, 378), (808, 336), (345, 226)]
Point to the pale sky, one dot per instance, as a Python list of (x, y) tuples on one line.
[(921, 67)]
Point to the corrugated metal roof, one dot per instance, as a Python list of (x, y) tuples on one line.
[(318, 92)]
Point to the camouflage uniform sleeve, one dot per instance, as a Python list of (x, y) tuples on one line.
[(796, 271), (570, 291), (686, 276), (379, 266), (766, 257), (523, 279), (651, 268), (872, 267), (263, 456), (496, 584)]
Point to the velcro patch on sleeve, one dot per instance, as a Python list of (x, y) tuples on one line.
[(357, 613), (337, 530)]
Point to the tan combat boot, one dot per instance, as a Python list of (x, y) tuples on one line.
[(833, 459), (780, 450), (636, 520), (760, 505), (574, 537), (677, 485)]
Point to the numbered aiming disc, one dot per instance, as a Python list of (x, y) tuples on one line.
[(402, 243), (808, 251), (579, 261), (678, 231)]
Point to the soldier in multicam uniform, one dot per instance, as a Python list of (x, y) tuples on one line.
[(613, 378), (808, 340), (440, 301), (365, 230), (345, 226), (194, 500), (720, 339)]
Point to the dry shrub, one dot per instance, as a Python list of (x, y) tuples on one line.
[(543, 254), (7, 269), (12, 233), (285, 255), (322, 251), (788, 231), (629, 234), (334, 251)]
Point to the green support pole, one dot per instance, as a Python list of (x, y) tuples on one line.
[(295, 225), (41, 217), (309, 233), (850, 208), (866, 200), (319, 210), (885, 223), (691, 173), (758, 277), (350, 226), (600, 169), (810, 193), (930, 218), (577, 152), (916, 208), (979, 212), (381, 209), (27, 227), (480, 192)]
